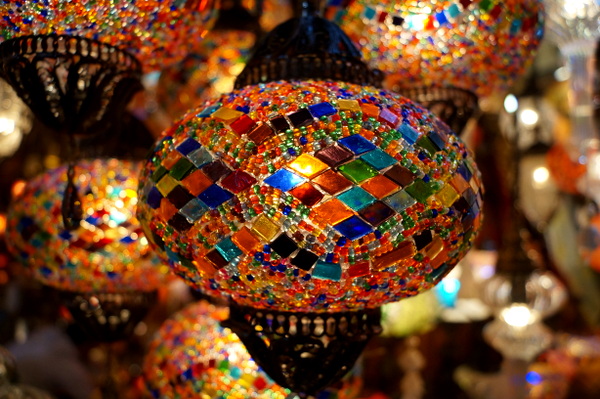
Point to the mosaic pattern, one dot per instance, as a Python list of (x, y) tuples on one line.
[(205, 75), (107, 253), (192, 356), (311, 196), (157, 32), (477, 45)]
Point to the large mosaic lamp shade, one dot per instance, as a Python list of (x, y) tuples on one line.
[(308, 198), (193, 356), (103, 266), (444, 54), (77, 63)]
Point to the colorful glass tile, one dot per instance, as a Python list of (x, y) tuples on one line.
[(327, 271), (307, 165), (356, 198), (188, 145), (370, 110), (166, 210), (301, 118), (420, 190), (159, 173), (215, 170), (349, 105), (378, 159), (280, 124), (166, 184), (171, 159), (409, 133), (334, 155), (196, 182), (322, 109), (216, 259), (242, 125), (447, 195), (400, 201), (332, 182), (227, 114), (265, 227), (422, 239), (179, 196), (357, 144), (359, 269), (388, 117), (304, 259), (353, 228), (333, 211), (380, 186), (425, 143), (245, 240), (283, 245), (154, 198), (260, 133), (358, 171), (193, 210), (181, 169), (284, 180), (214, 196), (179, 222), (228, 249), (400, 175), (404, 250), (376, 213), (307, 194), (237, 181), (200, 157)]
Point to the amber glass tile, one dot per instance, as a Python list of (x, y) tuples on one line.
[(440, 259), (404, 250), (332, 182), (380, 186), (245, 240), (166, 184), (307, 194), (447, 195), (170, 160), (166, 210), (349, 105), (459, 183), (307, 165), (333, 211), (206, 269), (434, 248), (226, 114), (264, 227)]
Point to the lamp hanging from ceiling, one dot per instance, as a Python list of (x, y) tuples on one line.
[(308, 198), (444, 54)]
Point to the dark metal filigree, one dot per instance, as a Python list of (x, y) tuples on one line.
[(72, 84), (452, 105), (304, 352), (108, 317), (307, 47)]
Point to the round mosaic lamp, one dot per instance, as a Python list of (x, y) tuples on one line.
[(102, 266), (444, 54), (193, 356), (309, 198), (74, 63)]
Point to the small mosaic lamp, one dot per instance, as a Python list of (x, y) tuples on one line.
[(103, 266), (308, 198), (444, 54), (77, 64), (192, 355)]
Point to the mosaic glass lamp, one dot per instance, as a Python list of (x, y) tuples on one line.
[(75, 63), (193, 356), (444, 54), (103, 266), (308, 198)]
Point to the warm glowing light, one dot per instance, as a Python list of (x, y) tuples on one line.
[(511, 104), (541, 175), (529, 117), (2, 223), (17, 188), (518, 315), (7, 126)]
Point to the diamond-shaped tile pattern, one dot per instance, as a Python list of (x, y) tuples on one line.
[(284, 180)]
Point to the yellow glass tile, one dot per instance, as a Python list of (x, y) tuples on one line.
[(349, 105), (265, 228), (333, 211), (380, 186), (307, 165), (227, 114), (166, 185), (447, 195), (434, 248), (245, 240), (405, 249)]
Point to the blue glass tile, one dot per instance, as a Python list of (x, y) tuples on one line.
[(228, 249), (322, 109), (200, 157), (400, 200), (408, 133), (356, 198), (214, 196), (284, 180), (357, 144), (188, 146), (126, 240), (378, 159), (437, 140), (327, 271), (193, 210), (353, 228), (464, 171), (441, 18), (206, 112), (153, 198)]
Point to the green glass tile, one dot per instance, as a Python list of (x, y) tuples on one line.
[(358, 171), (420, 190), (159, 173), (425, 143), (378, 159), (181, 169), (356, 198)]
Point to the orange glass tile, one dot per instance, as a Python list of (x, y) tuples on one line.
[(265, 227), (459, 183), (166, 209), (349, 105), (370, 110), (380, 186), (206, 269), (447, 195), (245, 240), (227, 114), (307, 165), (333, 211), (307, 194), (170, 160), (434, 248), (332, 182), (166, 185), (196, 182), (404, 250), (440, 259)]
